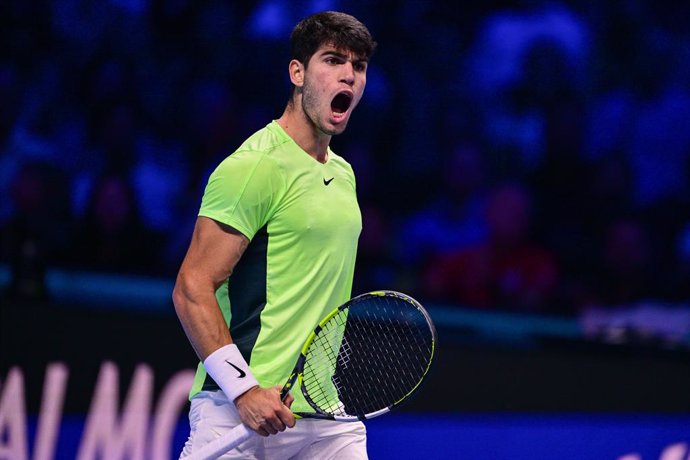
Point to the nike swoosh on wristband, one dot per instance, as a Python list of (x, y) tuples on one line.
[(326, 182), (242, 373)]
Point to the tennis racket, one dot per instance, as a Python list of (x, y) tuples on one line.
[(363, 359)]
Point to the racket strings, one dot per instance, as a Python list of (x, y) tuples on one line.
[(394, 346), (396, 373), (368, 357), (322, 359)]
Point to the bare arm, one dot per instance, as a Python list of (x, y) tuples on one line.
[(212, 255)]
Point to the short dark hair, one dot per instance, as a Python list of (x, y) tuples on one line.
[(330, 27)]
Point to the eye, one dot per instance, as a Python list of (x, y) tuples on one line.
[(360, 66)]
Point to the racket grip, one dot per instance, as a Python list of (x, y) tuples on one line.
[(218, 447)]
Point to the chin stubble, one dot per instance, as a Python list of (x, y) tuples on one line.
[(310, 109)]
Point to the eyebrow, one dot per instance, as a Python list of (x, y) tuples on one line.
[(341, 55)]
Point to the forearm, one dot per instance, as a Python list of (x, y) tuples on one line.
[(201, 318), (208, 333), (261, 408)]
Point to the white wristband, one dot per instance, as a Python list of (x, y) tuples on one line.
[(230, 371)]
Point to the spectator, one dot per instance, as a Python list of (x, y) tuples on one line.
[(111, 236), (647, 117), (453, 219), (522, 64), (508, 271), (628, 268), (39, 233)]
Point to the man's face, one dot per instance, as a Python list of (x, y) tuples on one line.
[(334, 82)]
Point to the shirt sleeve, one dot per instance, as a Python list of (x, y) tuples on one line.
[(243, 191)]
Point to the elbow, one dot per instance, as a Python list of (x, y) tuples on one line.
[(192, 292), (180, 295)]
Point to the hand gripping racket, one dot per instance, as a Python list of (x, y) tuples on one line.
[(364, 358)]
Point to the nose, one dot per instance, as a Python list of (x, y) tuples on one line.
[(348, 73)]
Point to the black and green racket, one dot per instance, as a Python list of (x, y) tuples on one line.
[(363, 359)]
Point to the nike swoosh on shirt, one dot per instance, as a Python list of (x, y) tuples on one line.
[(326, 182), (241, 372)]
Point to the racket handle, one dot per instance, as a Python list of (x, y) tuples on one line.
[(218, 447)]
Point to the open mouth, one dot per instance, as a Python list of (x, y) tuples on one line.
[(341, 102)]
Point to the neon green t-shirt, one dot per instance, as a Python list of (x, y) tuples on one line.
[(303, 223)]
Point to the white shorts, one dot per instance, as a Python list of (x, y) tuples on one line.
[(211, 415)]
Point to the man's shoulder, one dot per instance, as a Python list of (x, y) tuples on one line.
[(268, 141), (261, 150)]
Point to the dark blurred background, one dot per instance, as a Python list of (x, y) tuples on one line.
[(523, 169)]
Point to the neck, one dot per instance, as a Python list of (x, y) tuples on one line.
[(303, 131)]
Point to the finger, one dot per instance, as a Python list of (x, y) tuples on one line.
[(261, 431), (279, 389), (287, 417), (288, 400), (269, 428), (278, 427), (276, 422)]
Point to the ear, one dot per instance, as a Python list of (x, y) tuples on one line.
[(296, 70)]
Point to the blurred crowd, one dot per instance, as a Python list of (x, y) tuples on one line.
[(528, 156)]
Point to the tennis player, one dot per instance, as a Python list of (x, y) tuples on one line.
[(273, 251)]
